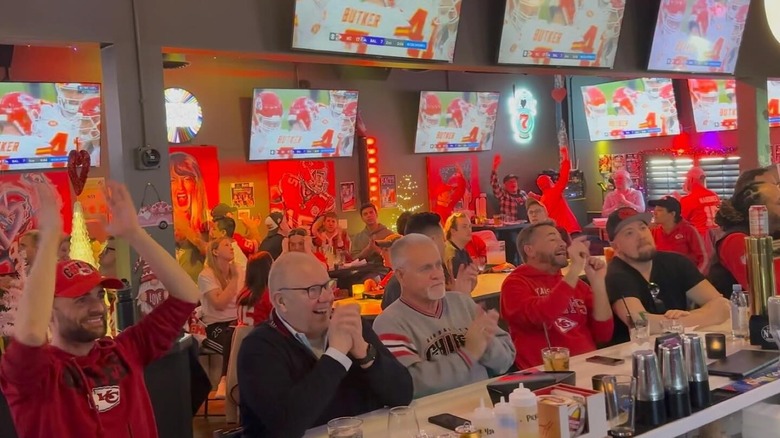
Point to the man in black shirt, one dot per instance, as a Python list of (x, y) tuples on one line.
[(656, 285)]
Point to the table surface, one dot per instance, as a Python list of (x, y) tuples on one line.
[(504, 227), (463, 401)]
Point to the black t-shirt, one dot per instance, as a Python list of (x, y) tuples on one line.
[(674, 274)]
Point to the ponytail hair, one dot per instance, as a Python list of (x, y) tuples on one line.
[(734, 212)]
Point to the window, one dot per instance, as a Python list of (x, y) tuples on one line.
[(666, 175)]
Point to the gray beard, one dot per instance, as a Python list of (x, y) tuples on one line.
[(550, 259)]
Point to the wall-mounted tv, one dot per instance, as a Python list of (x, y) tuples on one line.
[(40, 123), (456, 121), (635, 108), (416, 29), (698, 35), (714, 103), (773, 101), (291, 124), (584, 33)]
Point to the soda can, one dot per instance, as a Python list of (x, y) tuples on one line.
[(467, 431), (759, 221)]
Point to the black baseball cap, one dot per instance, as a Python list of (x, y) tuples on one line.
[(510, 176), (670, 203), (222, 210), (622, 217)]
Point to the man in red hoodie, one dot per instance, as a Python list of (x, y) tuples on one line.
[(536, 298), (81, 383), (553, 197)]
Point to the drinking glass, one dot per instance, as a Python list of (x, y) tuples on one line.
[(773, 307), (345, 427), (402, 423), (640, 333), (555, 359), (673, 326), (481, 263), (620, 393)]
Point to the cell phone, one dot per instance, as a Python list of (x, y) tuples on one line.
[(447, 421), (604, 360)]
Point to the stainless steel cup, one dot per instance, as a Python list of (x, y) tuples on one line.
[(698, 376), (675, 378), (651, 408)]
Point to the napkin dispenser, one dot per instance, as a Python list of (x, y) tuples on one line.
[(531, 379)]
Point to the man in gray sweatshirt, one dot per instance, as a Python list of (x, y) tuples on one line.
[(444, 339)]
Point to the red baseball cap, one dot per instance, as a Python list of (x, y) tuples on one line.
[(76, 278)]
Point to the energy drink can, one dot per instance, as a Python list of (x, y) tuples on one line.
[(468, 431), (759, 221)]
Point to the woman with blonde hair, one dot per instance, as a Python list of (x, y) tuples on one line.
[(220, 282), (190, 209)]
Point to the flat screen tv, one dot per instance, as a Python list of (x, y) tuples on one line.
[(773, 98), (699, 36), (290, 124), (40, 123), (714, 103), (580, 33), (635, 108), (456, 121), (415, 29)]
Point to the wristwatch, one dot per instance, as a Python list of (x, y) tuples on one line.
[(370, 356)]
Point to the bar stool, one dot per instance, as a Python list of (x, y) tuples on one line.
[(209, 355)]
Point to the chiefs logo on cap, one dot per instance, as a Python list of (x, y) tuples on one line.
[(625, 213)]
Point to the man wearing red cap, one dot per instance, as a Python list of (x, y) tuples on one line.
[(82, 383)]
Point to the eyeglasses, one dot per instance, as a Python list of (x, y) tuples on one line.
[(655, 290), (316, 290)]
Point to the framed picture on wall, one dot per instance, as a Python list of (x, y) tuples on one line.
[(388, 191), (347, 195)]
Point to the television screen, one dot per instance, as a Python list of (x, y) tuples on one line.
[(714, 103), (455, 121), (698, 35), (773, 97), (40, 123), (289, 124), (416, 29), (568, 33), (631, 109)]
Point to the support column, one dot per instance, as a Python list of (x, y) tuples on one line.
[(753, 132), (126, 122)]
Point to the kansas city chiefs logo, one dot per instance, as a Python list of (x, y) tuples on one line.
[(105, 397), (565, 324)]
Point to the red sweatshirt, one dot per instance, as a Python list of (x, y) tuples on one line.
[(52, 393), (557, 207), (531, 298), (683, 239), (733, 256)]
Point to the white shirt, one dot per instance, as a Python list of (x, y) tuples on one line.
[(207, 281), (340, 357), (239, 257)]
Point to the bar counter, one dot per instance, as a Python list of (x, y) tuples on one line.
[(463, 401)]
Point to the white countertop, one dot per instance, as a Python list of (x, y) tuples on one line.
[(463, 401)]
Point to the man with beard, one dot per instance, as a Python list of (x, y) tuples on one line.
[(443, 338), (643, 283), (82, 383), (539, 303)]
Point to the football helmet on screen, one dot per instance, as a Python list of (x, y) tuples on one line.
[(70, 95), (20, 110), (595, 102), (268, 112), (349, 117), (430, 110), (623, 99), (89, 115), (704, 91), (449, 11), (523, 11), (339, 100), (302, 111), (456, 112), (485, 100), (671, 15), (731, 89), (653, 86)]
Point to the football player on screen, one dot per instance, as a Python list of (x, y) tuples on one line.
[(266, 123), (428, 123), (487, 112), (671, 15), (446, 24), (89, 127)]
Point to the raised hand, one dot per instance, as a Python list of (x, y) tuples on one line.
[(595, 268), (496, 161), (48, 214), (579, 253), (342, 327), (123, 216)]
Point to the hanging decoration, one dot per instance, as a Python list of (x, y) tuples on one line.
[(80, 242), (407, 193), (158, 214), (559, 92)]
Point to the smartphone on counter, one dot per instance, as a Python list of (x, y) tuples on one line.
[(447, 421), (604, 360)]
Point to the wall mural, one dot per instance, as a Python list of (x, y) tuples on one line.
[(453, 182), (304, 190)]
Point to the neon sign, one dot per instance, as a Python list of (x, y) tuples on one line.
[(522, 108)]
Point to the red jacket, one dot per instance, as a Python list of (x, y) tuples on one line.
[(557, 206), (732, 254), (52, 393), (683, 239), (531, 298), (476, 247), (699, 208)]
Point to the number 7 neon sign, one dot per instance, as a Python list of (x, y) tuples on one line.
[(522, 109)]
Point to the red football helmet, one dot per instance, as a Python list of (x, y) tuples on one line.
[(491, 113), (268, 112), (731, 89), (20, 110), (671, 15), (595, 102), (70, 95), (653, 86), (89, 115), (623, 100), (704, 91), (339, 100), (484, 100), (302, 111), (349, 117), (700, 16), (430, 110), (456, 111)]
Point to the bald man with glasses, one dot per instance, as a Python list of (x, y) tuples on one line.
[(311, 362)]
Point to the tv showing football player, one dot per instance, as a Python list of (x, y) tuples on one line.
[(40, 123), (773, 102), (289, 124), (416, 29), (455, 121), (582, 33), (714, 103), (631, 109), (700, 36)]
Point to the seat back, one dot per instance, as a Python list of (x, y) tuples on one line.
[(232, 397)]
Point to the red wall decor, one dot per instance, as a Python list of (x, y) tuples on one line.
[(304, 190), (453, 183), (194, 185)]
